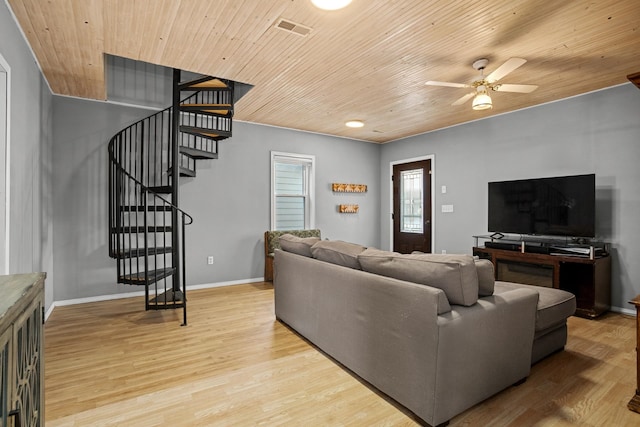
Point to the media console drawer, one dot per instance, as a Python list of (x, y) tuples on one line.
[(588, 279)]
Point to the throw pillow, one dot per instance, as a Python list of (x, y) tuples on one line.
[(338, 252), (298, 245), (455, 274)]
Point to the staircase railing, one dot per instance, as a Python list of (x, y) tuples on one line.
[(146, 161), (140, 218)]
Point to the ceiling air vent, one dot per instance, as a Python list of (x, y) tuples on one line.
[(292, 27)]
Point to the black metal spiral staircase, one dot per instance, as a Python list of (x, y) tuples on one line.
[(146, 224)]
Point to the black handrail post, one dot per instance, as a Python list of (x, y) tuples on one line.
[(175, 174), (184, 274), (146, 248)]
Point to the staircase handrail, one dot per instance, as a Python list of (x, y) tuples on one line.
[(135, 180), (113, 160)]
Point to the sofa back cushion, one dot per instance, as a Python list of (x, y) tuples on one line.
[(455, 274), (298, 245), (338, 252), (486, 277)]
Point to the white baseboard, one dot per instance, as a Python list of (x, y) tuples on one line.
[(141, 293), (627, 311)]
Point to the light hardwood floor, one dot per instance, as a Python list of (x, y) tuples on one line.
[(113, 364)]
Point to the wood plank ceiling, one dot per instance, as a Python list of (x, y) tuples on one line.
[(369, 61)]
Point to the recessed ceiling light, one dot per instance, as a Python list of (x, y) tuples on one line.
[(330, 4), (354, 123)]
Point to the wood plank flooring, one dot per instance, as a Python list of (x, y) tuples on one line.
[(113, 364)]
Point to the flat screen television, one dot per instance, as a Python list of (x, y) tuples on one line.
[(558, 206)]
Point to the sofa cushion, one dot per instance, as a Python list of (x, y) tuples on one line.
[(298, 245), (486, 277), (455, 274), (338, 252), (554, 305)]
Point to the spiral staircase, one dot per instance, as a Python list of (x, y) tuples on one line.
[(146, 161)]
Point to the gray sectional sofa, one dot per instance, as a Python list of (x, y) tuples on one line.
[(433, 332)]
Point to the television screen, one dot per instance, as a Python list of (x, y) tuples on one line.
[(559, 206)]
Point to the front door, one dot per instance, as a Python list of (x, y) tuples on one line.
[(412, 207)]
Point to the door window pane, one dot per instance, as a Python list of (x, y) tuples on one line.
[(411, 209)]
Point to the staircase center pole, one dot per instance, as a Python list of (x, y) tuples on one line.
[(175, 176)]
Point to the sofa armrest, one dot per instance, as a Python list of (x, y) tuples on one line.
[(483, 349)]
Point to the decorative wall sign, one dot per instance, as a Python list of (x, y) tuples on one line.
[(348, 208), (348, 188)]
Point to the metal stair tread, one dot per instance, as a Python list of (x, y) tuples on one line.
[(132, 253), (194, 153), (185, 172), (170, 298), (205, 133), (204, 83), (148, 208), (220, 109), (141, 229), (152, 276), (162, 189)]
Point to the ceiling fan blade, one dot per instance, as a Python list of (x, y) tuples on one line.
[(464, 98), (432, 83), (515, 88), (505, 69)]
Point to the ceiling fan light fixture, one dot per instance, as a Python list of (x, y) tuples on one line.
[(482, 101), (330, 4)]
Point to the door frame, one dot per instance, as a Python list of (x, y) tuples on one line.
[(5, 204), (431, 157)]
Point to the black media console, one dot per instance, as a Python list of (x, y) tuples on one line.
[(548, 248), (583, 270)]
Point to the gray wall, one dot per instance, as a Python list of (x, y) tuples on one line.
[(231, 205), (229, 199), (30, 139), (81, 132), (595, 133)]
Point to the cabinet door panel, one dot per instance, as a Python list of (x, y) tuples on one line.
[(5, 374), (27, 342)]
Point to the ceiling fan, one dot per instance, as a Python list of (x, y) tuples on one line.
[(481, 99)]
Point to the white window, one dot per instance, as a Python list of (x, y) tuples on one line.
[(292, 191)]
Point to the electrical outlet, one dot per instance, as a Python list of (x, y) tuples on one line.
[(444, 251), (210, 260), (447, 208)]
